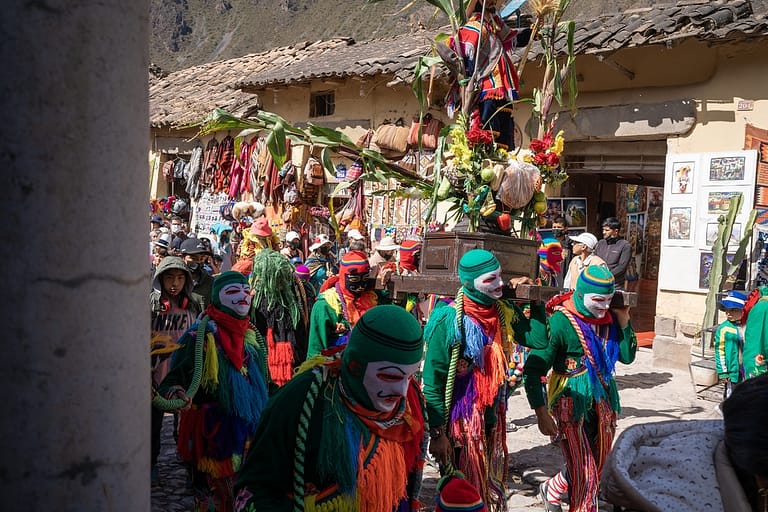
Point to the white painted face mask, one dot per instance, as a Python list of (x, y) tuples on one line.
[(597, 304), (386, 383), (490, 284), (237, 297)]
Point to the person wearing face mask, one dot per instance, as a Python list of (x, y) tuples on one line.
[(347, 431), (560, 233), (469, 347), (614, 250), (321, 262), (587, 338), (194, 253), (338, 308), (219, 415), (292, 248), (550, 258)]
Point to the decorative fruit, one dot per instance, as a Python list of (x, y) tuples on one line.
[(540, 207), (487, 174), (539, 196), (444, 188)]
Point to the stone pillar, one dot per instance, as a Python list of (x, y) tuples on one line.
[(74, 362)]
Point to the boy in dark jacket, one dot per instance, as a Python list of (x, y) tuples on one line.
[(173, 309)]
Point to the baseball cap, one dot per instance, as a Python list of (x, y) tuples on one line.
[(193, 246), (734, 300), (587, 239)]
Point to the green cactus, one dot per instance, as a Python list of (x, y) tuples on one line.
[(721, 269)]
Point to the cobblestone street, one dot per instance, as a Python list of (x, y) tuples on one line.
[(648, 394)]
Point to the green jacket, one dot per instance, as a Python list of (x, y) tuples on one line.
[(439, 339), (729, 339), (565, 354), (756, 337), (266, 480)]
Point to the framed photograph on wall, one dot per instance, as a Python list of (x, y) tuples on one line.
[(683, 174), (679, 226)]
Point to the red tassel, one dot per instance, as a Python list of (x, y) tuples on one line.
[(280, 359)]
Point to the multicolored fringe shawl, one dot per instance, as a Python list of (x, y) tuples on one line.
[(368, 457), (593, 379), (486, 336), (215, 435)]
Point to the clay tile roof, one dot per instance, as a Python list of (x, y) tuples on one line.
[(187, 96), (396, 56), (666, 23)]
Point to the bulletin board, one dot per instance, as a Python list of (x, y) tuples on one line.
[(698, 190)]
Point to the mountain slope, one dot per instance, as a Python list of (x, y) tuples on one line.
[(186, 33)]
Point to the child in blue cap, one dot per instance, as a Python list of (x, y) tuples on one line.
[(729, 341)]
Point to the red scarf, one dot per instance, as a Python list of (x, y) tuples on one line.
[(231, 335), (405, 427), (486, 316)]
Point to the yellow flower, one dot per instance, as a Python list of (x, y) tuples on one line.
[(557, 148)]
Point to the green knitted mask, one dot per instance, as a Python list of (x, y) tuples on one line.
[(472, 265), (220, 283), (594, 280), (383, 333)]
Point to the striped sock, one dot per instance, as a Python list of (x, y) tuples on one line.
[(556, 487)]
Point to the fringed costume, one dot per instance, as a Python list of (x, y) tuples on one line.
[(277, 313), (469, 347), (322, 446), (582, 395), (216, 431), (340, 306)]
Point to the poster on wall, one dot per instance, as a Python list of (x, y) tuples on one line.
[(705, 266), (636, 198), (718, 203), (572, 209), (711, 234), (690, 217), (682, 177), (680, 223), (729, 169)]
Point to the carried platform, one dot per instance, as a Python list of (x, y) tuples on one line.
[(440, 255)]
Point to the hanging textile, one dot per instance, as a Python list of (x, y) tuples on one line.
[(240, 170), (210, 162), (223, 173), (193, 174)]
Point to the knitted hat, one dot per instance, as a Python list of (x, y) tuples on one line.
[(550, 255), (455, 493), (734, 300), (472, 265), (383, 333), (593, 279), (220, 282), (354, 262), (302, 272)]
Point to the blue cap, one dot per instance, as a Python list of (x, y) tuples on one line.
[(734, 300)]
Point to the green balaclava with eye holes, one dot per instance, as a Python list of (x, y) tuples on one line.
[(383, 333), (220, 282), (593, 279), (472, 265)]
